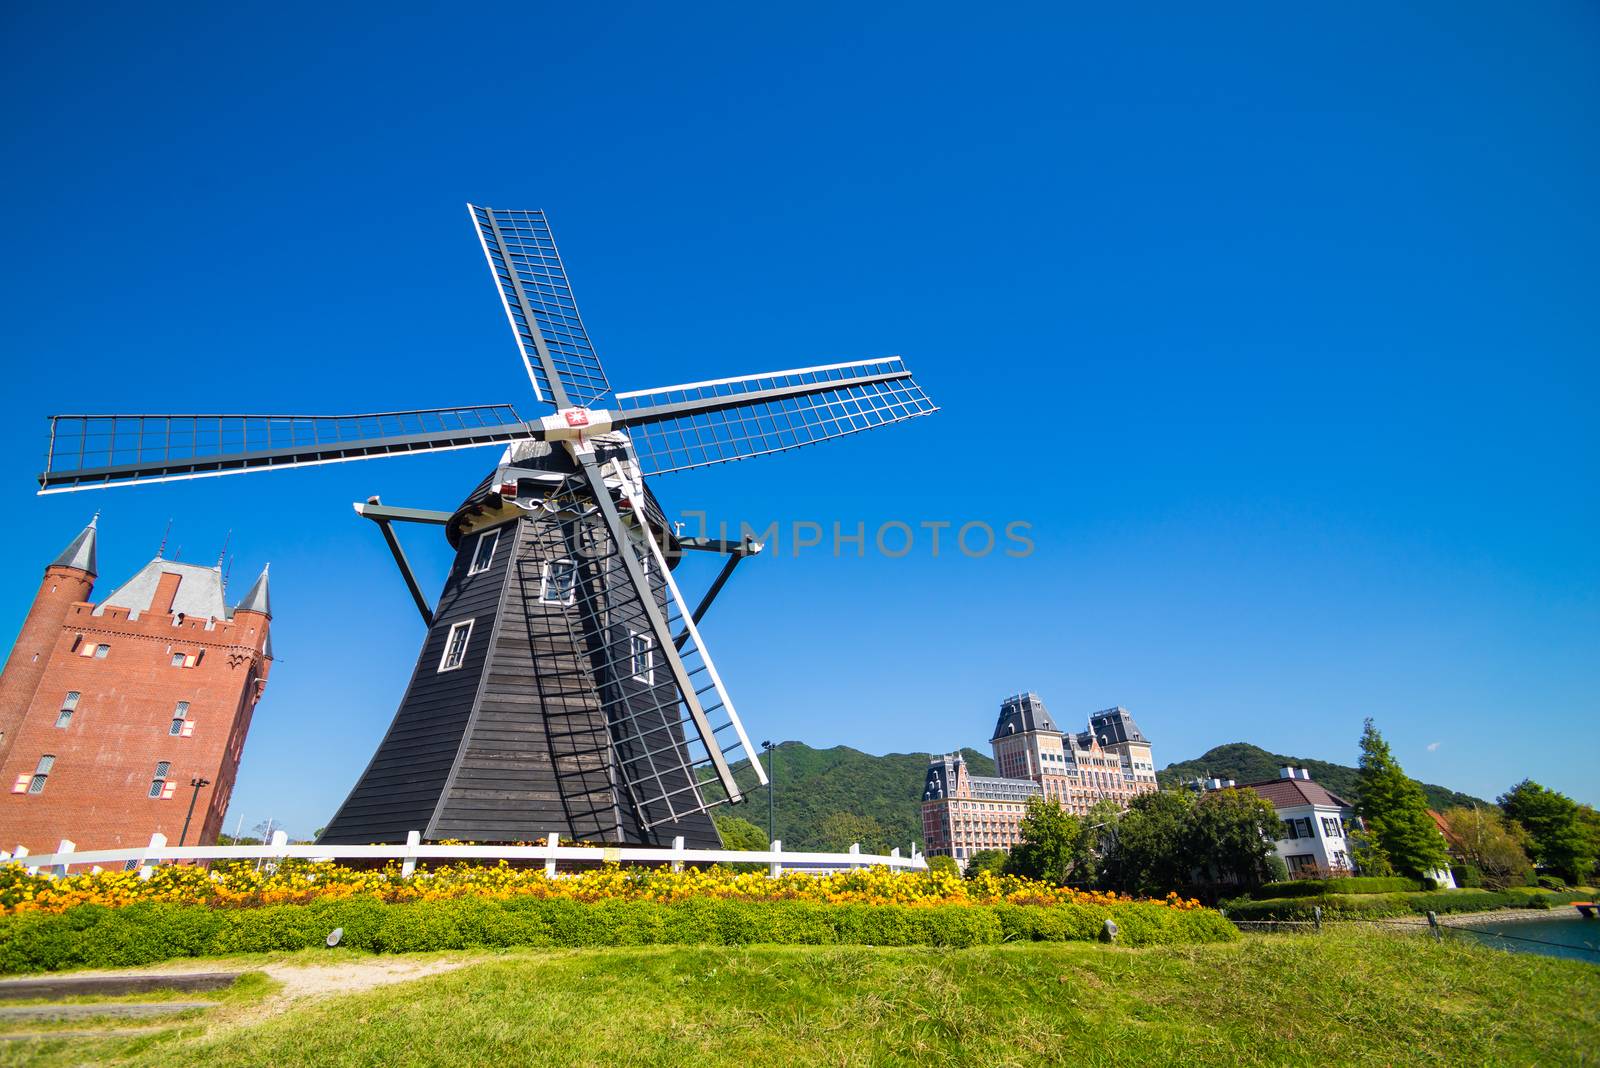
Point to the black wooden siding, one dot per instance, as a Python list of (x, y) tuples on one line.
[(538, 757), (401, 787), (513, 745)]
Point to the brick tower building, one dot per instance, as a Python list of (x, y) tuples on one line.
[(108, 711)]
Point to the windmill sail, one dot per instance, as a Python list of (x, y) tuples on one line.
[(674, 728), (533, 286), (675, 428), (105, 450)]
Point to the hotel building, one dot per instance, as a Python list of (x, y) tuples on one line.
[(964, 813)]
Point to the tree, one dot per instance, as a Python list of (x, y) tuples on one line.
[(1560, 835), (1053, 844), (1484, 840), (1589, 822), (946, 865), (740, 833), (1151, 854), (1367, 853), (990, 860), (1100, 825), (840, 830), (1395, 811), (1231, 834)]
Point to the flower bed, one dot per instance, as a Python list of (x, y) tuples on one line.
[(116, 919), (294, 882)]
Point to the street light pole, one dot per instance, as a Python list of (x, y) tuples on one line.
[(197, 784), (772, 753)]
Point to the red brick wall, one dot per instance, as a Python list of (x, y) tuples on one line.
[(61, 588), (97, 792)]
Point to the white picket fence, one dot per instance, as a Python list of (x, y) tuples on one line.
[(145, 858)]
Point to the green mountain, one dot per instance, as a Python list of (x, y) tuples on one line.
[(826, 798), (1244, 762), (812, 785)]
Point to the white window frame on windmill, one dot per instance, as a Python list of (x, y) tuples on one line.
[(564, 596), (182, 725), (642, 657), (483, 552), (455, 655)]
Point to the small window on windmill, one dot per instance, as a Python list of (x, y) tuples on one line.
[(559, 584), (455, 646), (483, 552), (102, 651), (69, 705), (642, 658), (177, 660), (159, 786), (180, 725)]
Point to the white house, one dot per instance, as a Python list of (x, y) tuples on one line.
[(1313, 822), (1313, 825)]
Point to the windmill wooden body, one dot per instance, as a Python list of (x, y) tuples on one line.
[(563, 686)]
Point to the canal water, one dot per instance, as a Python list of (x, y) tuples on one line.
[(1558, 936)]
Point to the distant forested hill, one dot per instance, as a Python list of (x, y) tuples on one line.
[(827, 798), (815, 784), (1244, 762)]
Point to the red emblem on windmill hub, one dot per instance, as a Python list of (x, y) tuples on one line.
[(577, 416)]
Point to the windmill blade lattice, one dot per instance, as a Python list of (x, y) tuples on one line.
[(735, 418), (672, 745), (538, 300), (102, 450)]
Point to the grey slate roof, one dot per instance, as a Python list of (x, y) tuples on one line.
[(990, 788), (199, 591), (257, 600), (1023, 712), (1115, 725), (80, 554), (941, 780)]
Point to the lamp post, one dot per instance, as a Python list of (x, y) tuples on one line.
[(197, 784), (772, 752)]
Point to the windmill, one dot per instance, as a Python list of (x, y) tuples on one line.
[(563, 686)]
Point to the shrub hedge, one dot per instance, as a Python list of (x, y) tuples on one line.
[(1355, 906), (146, 933), (1354, 884)]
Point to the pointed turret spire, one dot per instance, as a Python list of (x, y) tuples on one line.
[(256, 600), (80, 554)]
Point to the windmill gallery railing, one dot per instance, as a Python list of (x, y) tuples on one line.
[(552, 853)]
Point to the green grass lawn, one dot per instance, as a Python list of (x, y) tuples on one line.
[(1346, 997)]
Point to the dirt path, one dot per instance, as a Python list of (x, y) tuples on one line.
[(351, 977)]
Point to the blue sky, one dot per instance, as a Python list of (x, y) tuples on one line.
[(1279, 327)]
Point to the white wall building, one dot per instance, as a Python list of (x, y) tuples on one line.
[(1314, 826)]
